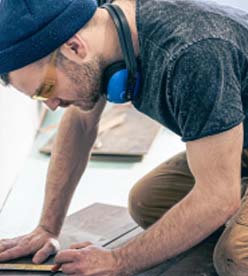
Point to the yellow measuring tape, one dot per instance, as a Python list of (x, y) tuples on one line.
[(26, 267)]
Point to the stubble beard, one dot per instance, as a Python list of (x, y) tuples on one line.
[(86, 80), (88, 83)]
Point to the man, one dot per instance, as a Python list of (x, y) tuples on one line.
[(194, 81)]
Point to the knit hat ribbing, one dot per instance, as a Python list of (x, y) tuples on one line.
[(32, 29)]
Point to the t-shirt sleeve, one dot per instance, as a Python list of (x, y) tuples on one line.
[(205, 89)]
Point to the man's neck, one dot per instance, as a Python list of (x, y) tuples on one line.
[(129, 9), (112, 51)]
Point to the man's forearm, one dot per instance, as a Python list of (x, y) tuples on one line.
[(186, 224), (68, 161)]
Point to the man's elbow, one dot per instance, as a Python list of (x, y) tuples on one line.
[(234, 206), (230, 204), (223, 200)]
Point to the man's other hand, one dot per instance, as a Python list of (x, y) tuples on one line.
[(88, 259), (39, 243)]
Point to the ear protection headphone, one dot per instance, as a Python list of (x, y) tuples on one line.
[(121, 80)]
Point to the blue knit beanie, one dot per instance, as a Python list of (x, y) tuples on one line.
[(32, 29)]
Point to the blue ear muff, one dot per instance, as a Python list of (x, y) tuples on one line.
[(121, 80), (116, 89), (116, 81)]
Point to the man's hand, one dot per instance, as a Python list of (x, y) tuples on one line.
[(85, 259), (39, 242)]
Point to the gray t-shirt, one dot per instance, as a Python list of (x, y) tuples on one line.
[(194, 62)]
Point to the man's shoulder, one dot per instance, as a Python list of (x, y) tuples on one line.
[(173, 24)]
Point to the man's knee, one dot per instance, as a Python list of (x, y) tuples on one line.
[(231, 254), (148, 202), (138, 205), (160, 189)]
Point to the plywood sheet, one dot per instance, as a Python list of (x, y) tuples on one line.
[(98, 223), (197, 261), (111, 226), (128, 141)]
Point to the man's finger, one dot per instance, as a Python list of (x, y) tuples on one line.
[(7, 244), (80, 245), (68, 268), (48, 249), (14, 253), (66, 256)]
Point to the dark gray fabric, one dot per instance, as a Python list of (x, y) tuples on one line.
[(194, 66)]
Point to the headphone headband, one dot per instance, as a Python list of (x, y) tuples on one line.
[(124, 35), (121, 80), (102, 2)]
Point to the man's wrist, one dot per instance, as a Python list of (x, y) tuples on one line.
[(121, 264), (46, 228)]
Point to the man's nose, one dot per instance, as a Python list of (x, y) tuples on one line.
[(52, 103)]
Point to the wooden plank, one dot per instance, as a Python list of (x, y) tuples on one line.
[(128, 141), (194, 262), (197, 261), (23, 206), (124, 238), (4, 197), (98, 223), (154, 271), (112, 226)]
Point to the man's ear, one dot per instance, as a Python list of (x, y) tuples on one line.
[(75, 49)]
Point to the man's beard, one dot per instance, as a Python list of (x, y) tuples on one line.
[(86, 79)]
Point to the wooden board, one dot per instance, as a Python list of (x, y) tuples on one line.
[(197, 261), (128, 141), (111, 226), (98, 223)]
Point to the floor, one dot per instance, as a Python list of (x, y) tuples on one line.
[(117, 227), (105, 182), (18, 120)]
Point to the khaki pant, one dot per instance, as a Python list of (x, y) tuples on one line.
[(167, 184)]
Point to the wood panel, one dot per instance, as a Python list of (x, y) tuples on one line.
[(111, 226), (197, 261), (98, 223), (128, 140)]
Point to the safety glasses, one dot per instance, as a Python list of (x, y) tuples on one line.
[(46, 89)]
